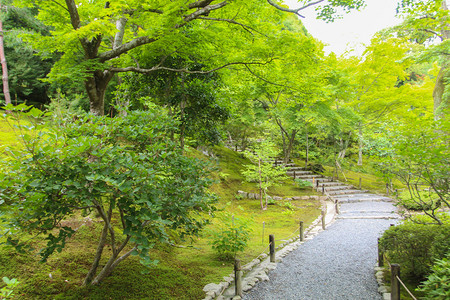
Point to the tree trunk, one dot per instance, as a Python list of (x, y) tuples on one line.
[(307, 147), (260, 184), (360, 145), (4, 67), (291, 140), (283, 137), (101, 244), (96, 88), (182, 114)]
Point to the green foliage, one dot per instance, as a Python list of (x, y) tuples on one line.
[(7, 292), (303, 184), (428, 201), (191, 97), (421, 158), (437, 285), (25, 69), (262, 171), (62, 106), (231, 238), (416, 246), (124, 167)]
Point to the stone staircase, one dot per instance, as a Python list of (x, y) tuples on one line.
[(335, 189)]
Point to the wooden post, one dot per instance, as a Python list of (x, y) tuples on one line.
[(396, 193), (323, 219), (302, 232), (238, 277), (395, 285), (387, 189), (272, 248), (323, 189), (317, 184), (338, 211), (380, 255), (360, 181)]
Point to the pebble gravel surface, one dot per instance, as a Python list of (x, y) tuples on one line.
[(336, 264)]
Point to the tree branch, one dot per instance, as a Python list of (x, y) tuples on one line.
[(432, 32), (246, 27), (125, 47), (203, 11), (270, 82), (183, 70), (105, 56), (73, 12), (200, 3), (59, 4), (296, 10)]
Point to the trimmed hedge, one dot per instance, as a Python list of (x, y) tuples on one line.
[(416, 247)]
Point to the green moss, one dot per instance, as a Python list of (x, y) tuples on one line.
[(182, 272)]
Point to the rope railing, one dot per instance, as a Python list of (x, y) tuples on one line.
[(238, 270), (395, 278), (409, 292), (287, 238), (263, 252)]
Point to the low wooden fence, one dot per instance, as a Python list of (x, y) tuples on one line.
[(238, 270), (396, 282)]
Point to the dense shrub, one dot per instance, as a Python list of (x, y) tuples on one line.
[(416, 246), (437, 285)]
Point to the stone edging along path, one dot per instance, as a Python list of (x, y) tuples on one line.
[(257, 269)]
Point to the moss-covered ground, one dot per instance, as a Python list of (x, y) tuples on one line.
[(183, 269)]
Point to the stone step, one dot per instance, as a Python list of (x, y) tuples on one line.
[(298, 169), (361, 197), (344, 192), (329, 183), (300, 173), (337, 188), (304, 176)]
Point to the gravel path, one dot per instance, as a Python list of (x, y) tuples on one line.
[(336, 264)]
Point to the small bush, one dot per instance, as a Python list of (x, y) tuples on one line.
[(232, 238), (303, 184), (416, 246), (437, 285)]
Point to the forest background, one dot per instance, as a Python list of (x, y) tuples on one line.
[(190, 75)]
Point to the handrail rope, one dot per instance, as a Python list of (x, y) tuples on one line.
[(409, 292), (288, 236), (224, 288), (264, 251), (307, 231)]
